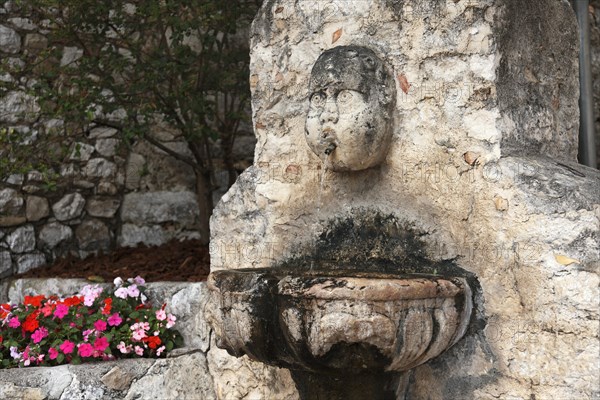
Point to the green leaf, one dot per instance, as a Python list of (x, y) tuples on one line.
[(60, 358)]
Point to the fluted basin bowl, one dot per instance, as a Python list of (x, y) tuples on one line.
[(337, 322)]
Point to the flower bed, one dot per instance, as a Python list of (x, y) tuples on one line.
[(93, 325)]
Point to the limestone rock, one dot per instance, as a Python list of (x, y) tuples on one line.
[(34, 42), (36, 208), (22, 23), (81, 151), (160, 207), (30, 261), (93, 235), (18, 107), (15, 179), (117, 379), (131, 235), (69, 207), (100, 168), (70, 55), (10, 41), (9, 390), (102, 207), (10, 202), (174, 378), (102, 132), (35, 176), (134, 170), (22, 239), (12, 221), (5, 263), (54, 233), (107, 147), (107, 188)]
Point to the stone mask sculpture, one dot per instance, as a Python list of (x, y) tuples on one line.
[(349, 121)]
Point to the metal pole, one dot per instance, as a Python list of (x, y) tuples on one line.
[(587, 146)]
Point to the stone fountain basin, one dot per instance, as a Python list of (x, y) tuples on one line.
[(337, 321)]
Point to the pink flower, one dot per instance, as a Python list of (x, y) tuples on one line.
[(121, 292), (67, 347), (85, 349), (100, 325), (52, 353), (61, 311), (115, 320), (139, 350), (86, 334), (124, 349), (101, 344), (14, 322), (171, 321), (139, 280), (133, 291), (161, 315), (160, 350), (39, 334), (138, 334)]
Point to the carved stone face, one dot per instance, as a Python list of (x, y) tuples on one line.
[(351, 102)]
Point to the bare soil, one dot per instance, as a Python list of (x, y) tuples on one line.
[(186, 261)]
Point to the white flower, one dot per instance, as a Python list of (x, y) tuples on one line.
[(139, 280), (133, 291), (118, 282), (121, 292)]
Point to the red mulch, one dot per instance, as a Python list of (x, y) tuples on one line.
[(186, 261)]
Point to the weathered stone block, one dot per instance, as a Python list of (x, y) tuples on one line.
[(12, 221), (10, 202), (5, 263), (102, 207), (36, 208), (34, 42), (27, 262), (69, 207), (10, 41), (107, 147), (102, 132), (22, 239), (131, 235), (93, 235), (100, 168), (81, 151), (18, 107), (54, 233), (159, 207)]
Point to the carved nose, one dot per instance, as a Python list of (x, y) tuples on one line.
[(330, 113)]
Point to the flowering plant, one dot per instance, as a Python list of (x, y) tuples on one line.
[(92, 325)]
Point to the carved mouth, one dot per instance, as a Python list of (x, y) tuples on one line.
[(326, 132)]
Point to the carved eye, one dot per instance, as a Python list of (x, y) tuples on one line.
[(345, 97), (317, 100)]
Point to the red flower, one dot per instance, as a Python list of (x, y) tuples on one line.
[(1, 339), (31, 323), (4, 309), (153, 341), (35, 301), (107, 306), (73, 301)]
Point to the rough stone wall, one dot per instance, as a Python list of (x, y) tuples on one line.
[(487, 176), (104, 193)]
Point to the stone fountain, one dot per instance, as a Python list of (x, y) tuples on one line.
[(414, 224), (345, 331)]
